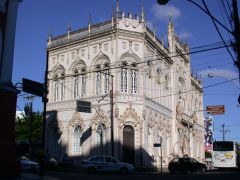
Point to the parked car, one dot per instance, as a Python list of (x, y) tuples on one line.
[(106, 163), (186, 165), (28, 165)]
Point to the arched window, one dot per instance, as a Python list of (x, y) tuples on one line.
[(55, 91), (83, 82), (134, 79), (98, 80), (75, 87), (106, 78), (129, 77), (76, 140), (62, 87)]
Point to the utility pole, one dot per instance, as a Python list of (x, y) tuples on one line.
[(45, 100), (111, 109), (224, 131), (236, 33)]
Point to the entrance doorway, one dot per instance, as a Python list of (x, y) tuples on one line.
[(128, 144)]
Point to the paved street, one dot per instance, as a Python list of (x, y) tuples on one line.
[(138, 176)]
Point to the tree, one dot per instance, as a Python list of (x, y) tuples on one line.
[(208, 154), (22, 127)]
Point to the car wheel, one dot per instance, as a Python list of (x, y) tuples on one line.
[(91, 170), (124, 170), (203, 170)]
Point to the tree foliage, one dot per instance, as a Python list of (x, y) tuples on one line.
[(22, 127)]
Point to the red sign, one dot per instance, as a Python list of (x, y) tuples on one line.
[(215, 110)]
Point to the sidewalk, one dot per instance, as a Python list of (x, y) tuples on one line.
[(30, 176)]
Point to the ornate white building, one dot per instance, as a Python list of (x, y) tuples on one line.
[(155, 97)]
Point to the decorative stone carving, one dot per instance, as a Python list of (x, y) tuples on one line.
[(76, 120), (179, 110), (130, 115), (116, 112), (100, 116), (144, 114)]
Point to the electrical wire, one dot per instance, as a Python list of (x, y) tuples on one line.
[(218, 31)]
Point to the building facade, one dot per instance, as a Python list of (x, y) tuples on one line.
[(156, 100)]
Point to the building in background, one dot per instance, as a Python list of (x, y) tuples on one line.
[(155, 96)]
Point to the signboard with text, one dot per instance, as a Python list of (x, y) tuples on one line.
[(215, 110)]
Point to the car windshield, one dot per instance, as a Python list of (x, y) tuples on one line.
[(175, 160), (191, 160)]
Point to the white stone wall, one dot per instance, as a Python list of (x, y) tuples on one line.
[(151, 111)]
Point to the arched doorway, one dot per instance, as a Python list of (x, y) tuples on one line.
[(128, 144)]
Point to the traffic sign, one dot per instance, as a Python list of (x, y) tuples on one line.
[(215, 110), (32, 87), (83, 106)]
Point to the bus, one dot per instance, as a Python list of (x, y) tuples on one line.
[(226, 154)]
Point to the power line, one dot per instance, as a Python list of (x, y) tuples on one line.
[(219, 46), (218, 31)]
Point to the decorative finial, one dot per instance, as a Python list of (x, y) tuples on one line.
[(69, 27), (68, 31), (117, 9), (142, 14), (112, 11), (50, 33), (137, 17), (90, 19), (89, 24), (112, 16)]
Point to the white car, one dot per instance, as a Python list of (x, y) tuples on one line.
[(28, 165), (106, 163)]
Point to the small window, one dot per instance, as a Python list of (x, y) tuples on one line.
[(124, 63), (98, 66), (134, 65), (106, 65)]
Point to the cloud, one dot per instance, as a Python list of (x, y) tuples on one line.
[(184, 35), (164, 12)]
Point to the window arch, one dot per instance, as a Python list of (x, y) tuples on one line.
[(79, 80), (129, 75), (58, 90), (76, 140), (102, 76)]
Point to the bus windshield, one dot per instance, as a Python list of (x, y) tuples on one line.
[(223, 146)]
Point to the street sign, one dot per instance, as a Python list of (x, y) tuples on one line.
[(83, 106), (32, 87), (156, 145), (215, 110)]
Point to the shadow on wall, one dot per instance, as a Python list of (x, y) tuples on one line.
[(84, 148)]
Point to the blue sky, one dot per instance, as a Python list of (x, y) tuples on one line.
[(37, 18)]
